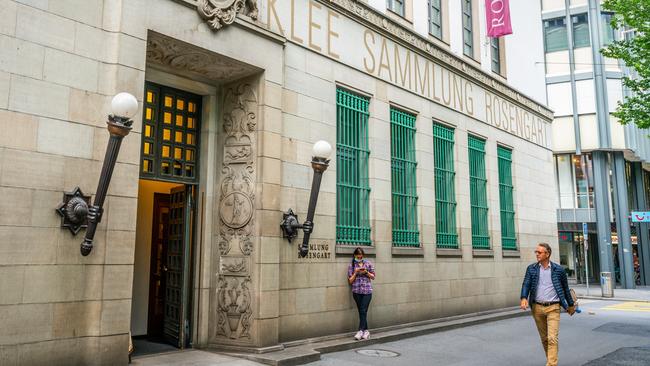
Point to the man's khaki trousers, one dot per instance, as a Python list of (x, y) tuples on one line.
[(547, 319)]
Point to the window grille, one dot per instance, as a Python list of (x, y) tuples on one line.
[(352, 188), (403, 179), (508, 236), (478, 194), (443, 156)]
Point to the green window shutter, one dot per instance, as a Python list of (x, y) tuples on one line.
[(508, 236), (403, 183), (352, 189), (443, 156), (478, 193)]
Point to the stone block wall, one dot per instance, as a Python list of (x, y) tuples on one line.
[(314, 295), (60, 65)]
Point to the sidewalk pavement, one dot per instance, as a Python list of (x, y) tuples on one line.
[(640, 293), (309, 350)]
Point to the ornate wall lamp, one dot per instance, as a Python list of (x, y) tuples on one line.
[(75, 210), (290, 224)]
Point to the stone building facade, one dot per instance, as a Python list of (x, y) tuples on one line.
[(233, 94)]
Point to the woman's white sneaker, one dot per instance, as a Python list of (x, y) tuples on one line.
[(358, 335), (365, 334)]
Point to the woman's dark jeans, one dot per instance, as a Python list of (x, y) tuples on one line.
[(363, 301)]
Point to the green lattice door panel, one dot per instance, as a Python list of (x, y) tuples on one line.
[(174, 266), (170, 135)]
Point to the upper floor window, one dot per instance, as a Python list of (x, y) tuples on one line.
[(435, 18), (606, 29), (555, 33), (468, 41), (555, 36), (495, 55), (396, 5), (580, 23)]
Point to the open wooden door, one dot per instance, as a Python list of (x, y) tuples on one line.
[(176, 325)]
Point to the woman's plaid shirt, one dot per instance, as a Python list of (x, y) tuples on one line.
[(361, 284)]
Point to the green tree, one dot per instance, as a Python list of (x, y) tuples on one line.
[(635, 52)]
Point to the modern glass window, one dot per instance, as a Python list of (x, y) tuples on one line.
[(565, 180), (403, 182), (575, 180), (468, 41), (170, 134), (352, 188), (580, 30), (495, 54), (396, 5), (583, 169), (435, 18), (555, 35), (478, 193), (443, 156), (506, 199), (607, 31)]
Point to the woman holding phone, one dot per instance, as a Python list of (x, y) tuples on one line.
[(360, 273)]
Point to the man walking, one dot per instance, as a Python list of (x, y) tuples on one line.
[(546, 288)]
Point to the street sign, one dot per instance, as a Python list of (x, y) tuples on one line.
[(584, 229), (640, 216)]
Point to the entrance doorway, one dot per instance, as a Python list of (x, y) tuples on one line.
[(168, 186)]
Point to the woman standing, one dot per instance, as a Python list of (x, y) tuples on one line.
[(360, 273)]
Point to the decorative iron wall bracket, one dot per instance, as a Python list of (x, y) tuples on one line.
[(74, 210), (290, 223)]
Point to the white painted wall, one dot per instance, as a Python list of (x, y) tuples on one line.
[(455, 27), (525, 50), (586, 93), (559, 99), (378, 4), (421, 17)]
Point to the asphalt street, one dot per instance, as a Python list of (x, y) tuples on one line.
[(605, 333)]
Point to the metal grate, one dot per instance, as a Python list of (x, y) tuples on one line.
[(478, 193), (170, 135), (508, 236), (352, 187), (403, 181), (443, 155)]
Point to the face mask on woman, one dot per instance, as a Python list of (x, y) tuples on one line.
[(357, 260)]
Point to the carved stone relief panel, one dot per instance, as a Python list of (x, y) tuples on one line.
[(219, 13), (235, 311), (236, 208)]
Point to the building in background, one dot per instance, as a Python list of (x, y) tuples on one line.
[(443, 168), (601, 166)]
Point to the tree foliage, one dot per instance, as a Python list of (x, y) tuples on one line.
[(635, 52)]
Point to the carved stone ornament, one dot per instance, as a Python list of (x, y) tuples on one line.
[(220, 13), (234, 312), (235, 266), (236, 202), (195, 62)]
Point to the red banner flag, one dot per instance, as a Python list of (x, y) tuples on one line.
[(497, 15)]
